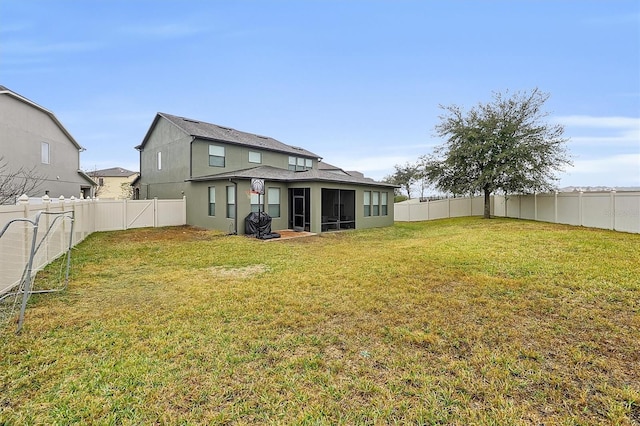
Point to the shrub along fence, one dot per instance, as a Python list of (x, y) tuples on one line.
[(619, 211)]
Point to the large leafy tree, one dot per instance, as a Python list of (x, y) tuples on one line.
[(504, 145)]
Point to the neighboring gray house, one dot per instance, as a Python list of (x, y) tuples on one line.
[(213, 166), (32, 138)]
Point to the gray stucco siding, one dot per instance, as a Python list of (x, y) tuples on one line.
[(236, 158), (198, 205), (173, 144), (23, 129)]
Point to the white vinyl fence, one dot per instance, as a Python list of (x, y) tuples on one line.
[(619, 211), (88, 216)]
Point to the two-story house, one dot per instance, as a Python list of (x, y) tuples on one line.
[(114, 183), (214, 167), (33, 139)]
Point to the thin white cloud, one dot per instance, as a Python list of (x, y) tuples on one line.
[(170, 30), (599, 122), (601, 131), (29, 47), (629, 139), (15, 27), (614, 170), (613, 164), (617, 19)]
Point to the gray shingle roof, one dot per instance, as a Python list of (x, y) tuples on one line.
[(282, 175), (112, 172), (203, 130)]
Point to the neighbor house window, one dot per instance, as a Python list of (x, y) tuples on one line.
[(299, 164), (383, 204), (231, 202), (255, 203), (159, 158), (216, 156), (255, 157), (367, 203), (212, 201), (45, 152), (273, 198), (100, 181)]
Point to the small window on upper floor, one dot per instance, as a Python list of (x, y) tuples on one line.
[(159, 160), (255, 157), (45, 153), (216, 156)]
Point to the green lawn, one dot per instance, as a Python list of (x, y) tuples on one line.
[(461, 321)]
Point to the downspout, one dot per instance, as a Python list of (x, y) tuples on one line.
[(191, 157), (235, 216)]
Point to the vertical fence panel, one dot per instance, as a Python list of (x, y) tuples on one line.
[(546, 205), (596, 210), (627, 212), (569, 205), (608, 210)]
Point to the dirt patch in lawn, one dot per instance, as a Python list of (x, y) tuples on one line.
[(239, 272)]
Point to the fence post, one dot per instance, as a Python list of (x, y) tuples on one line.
[(155, 212), (23, 200), (184, 209), (124, 215), (580, 208), (555, 207), (613, 209), (535, 206), (72, 200)]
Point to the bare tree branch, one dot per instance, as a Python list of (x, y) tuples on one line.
[(14, 183)]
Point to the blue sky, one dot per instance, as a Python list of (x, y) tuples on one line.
[(357, 82)]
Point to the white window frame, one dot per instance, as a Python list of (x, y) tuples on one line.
[(375, 203), (273, 202), (255, 157), (384, 204), (300, 164), (212, 201), (367, 204), (231, 202), (159, 160), (45, 153), (217, 152), (255, 202)]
